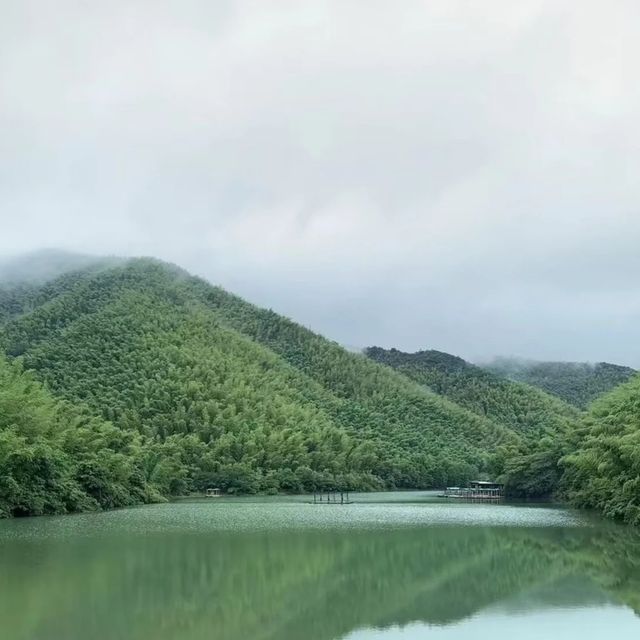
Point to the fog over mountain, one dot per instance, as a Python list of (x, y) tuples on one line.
[(451, 175)]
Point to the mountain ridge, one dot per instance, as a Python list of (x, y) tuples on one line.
[(578, 383), (253, 401), (516, 405), (165, 384)]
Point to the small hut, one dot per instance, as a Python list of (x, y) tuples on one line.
[(484, 490), (481, 490), (213, 493)]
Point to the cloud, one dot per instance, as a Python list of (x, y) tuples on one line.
[(445, 174)]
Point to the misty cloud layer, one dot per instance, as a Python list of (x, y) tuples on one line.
[(447, 174)]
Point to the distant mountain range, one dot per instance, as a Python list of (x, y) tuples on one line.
[(578, 383), (515, 405)]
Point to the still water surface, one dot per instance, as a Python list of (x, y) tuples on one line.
[(389, 567)]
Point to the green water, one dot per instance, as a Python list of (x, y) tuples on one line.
[(389, 567)]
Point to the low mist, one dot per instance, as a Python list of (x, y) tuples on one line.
[(444, 175)]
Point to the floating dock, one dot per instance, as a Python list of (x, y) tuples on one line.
[(331, 497)]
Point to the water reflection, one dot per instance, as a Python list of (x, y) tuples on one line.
[(292, 584)]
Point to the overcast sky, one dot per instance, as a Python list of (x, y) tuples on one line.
[(458, 175)]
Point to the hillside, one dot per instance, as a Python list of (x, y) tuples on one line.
[(123, 383), (237, 396), (515, 405), (578, 383), (604, 472), (56, 458), (590, 459)]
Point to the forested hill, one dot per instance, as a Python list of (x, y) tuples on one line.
[(221, 393), (591, 459), (132, 381), (602, 468), (578, 383), (518, 406)]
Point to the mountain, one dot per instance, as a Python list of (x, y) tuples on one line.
[(542, 420), (131, 381), (222, 393), (578, 383), (515, 405), (592, 459)]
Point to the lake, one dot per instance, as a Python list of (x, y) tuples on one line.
[(392, 566)]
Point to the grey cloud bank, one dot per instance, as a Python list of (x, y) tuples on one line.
[(451, 175)]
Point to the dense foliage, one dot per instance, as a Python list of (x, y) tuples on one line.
[(55, 458), (595, 463), (604, 472), (529, 468), (578, 383), (515, 405), (220, 393)]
